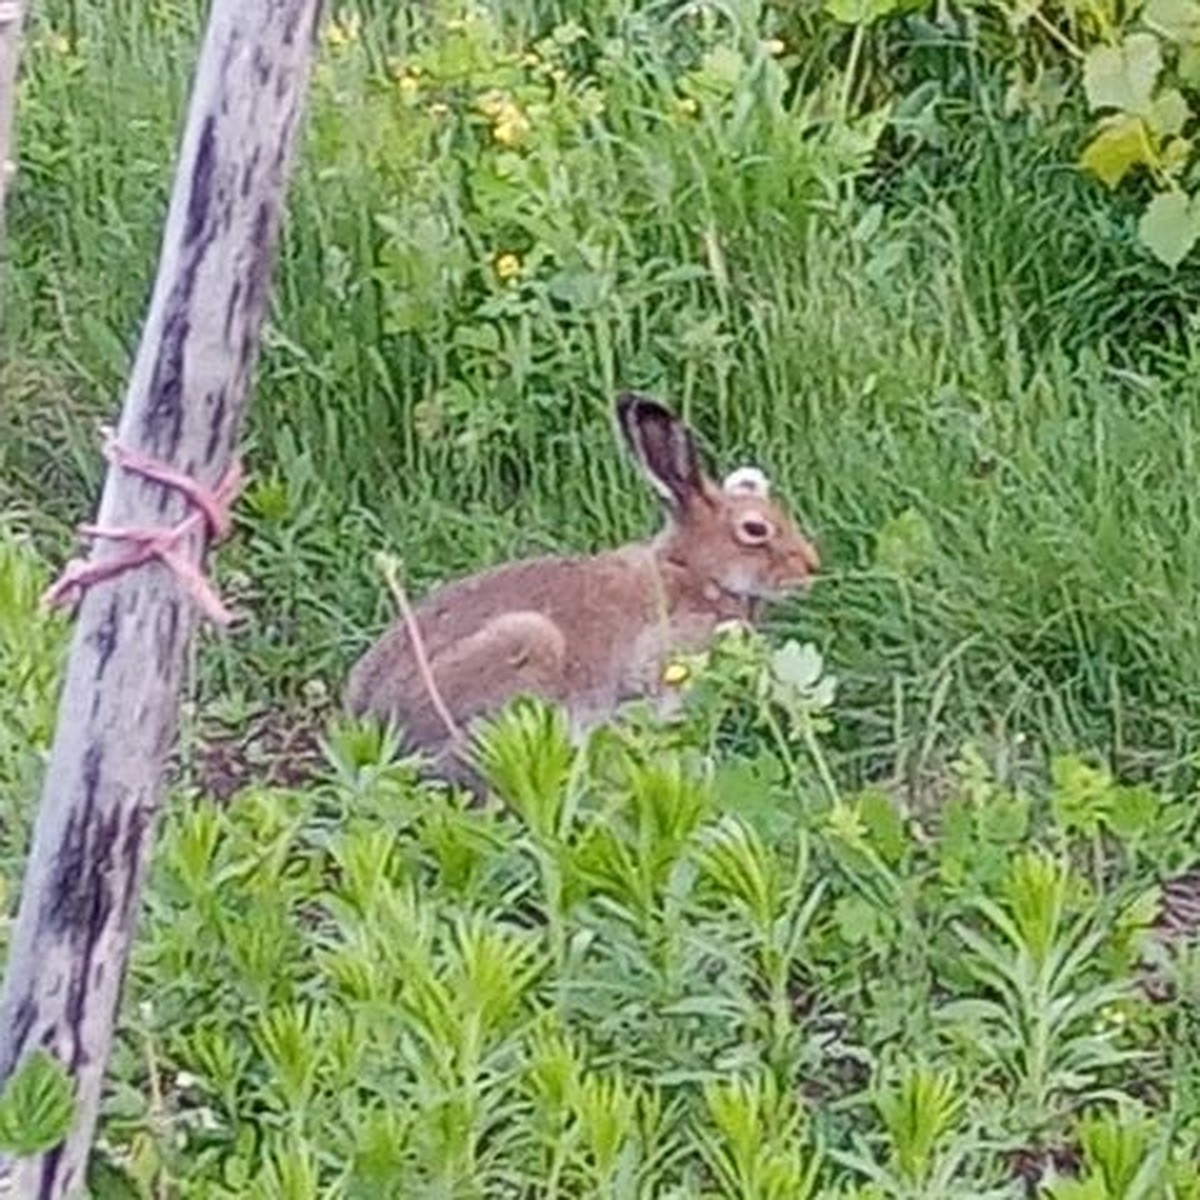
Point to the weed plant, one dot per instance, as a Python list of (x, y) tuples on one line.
[(888, 940), (654, 966)]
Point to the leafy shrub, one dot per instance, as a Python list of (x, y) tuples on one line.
[(652, 971), (692, 959), (31, 658)]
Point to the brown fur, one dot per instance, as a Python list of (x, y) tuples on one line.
[(589, 632)]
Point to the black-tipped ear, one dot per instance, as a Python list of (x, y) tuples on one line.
[(664, 448)]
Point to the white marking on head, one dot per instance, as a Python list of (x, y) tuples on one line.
[(747, 479)]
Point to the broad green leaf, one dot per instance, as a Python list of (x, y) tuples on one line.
[(749, 788), (850, 143), (1168, 227), (107, 1181), (1082, 794), (1169, 112), (1143, 911), (37, 1106), (1120, 146), (905, 544), (1123, 76), (723, 66), (1174, 153), (1187, 66), (1177, 19), (857, 920), (1133, 811), (884, 824), (1004, 819)]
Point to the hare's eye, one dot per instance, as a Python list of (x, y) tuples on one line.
[(754, 531)]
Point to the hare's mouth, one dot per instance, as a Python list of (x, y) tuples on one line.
[(749, 588), (779, 591), (794, 584)]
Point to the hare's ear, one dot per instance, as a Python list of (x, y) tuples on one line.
[(664, 448)]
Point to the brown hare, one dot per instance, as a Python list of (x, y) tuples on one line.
[(595, 631)]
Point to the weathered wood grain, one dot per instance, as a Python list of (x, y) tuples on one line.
[(119, 707)]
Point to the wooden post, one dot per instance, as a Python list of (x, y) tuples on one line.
[(119, 708), (12, 13)]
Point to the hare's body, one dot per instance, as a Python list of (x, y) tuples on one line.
[(541, 626), (589, 633)]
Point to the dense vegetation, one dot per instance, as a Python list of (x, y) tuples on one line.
[(879, 917)]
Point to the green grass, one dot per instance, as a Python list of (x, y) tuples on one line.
[(649, 972), (981, 396), (977, 342)]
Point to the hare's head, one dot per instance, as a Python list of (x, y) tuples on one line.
[(732, 534)]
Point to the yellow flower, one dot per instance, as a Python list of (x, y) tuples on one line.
[(438, 109), (509, 123), (511, 128), (492, 104), (57, 43), (686, 106), (676, 673), (507, 266), (408, 84), (343, 30), (774, 46), (530, 59)]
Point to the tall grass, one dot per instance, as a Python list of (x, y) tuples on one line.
[(980, 398)]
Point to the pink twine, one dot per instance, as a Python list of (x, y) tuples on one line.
[(147, 544)]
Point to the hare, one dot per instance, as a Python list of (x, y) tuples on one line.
[(591, 632)]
